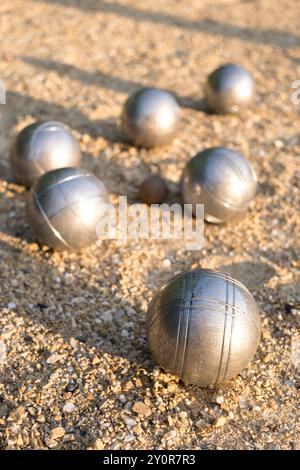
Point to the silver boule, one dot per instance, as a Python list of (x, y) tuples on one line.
[(229, 89), (203, 326), (150, 117), (41, 147), (221, 179), (64, 207)]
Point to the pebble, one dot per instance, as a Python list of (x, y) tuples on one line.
[(71, 386), (11, 306), (68, 279), (130, 422), (243, 403), (279, 143), (201, 424), (69, 407), (58, 432), (219, 422), (107, 316), (98, 444), (220, 400), (53, 358), (141, 409), (170, 435), (3, 351), (167, 263)]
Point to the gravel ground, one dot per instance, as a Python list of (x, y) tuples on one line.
[(75, 369)]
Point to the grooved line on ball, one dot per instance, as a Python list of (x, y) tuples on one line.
[(179, 323), (241, 320), (187, 329), (236, 311), (64, 180), (224, 330), (219, 198), (231, 329), (70, 206), (53, 230)]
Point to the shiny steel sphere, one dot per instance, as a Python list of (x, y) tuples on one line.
[(150, 117), (229, 89), (64, 207), (221, 179), (203, 327), (41, 147)]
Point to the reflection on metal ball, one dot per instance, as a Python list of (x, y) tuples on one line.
[(203, 326), (64, 207), (229, 89), (221, 179), (150, 117), (41, 147)]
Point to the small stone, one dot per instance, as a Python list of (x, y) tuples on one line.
[(279, 143), (124, 333), (3, 351), (170, 435), (230, 415), (122, 399), (130, 422), (220, 400), (68, 279), (138, 383), (11, 305), (288, 383), (243, 403), (58, 432), (107, 316), (167, 263), (141, 409), (219, 422), (129, 438), (53, 358), (98, 444), (71, 386), (201, 424), (69, 407), (18, 414), (95, 360), (73, 343), (169, 418)]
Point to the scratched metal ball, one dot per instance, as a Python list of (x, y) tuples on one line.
[(229, 89), (41, 147), (203, 326), (150, 117), (221, 179), (64, 207)]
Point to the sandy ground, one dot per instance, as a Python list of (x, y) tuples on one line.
[(73, 353)]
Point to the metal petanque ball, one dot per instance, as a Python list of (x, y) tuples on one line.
[(229, 89), (41, 147), (203, 326), (221, 179), (64, 207), (150, 117)]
